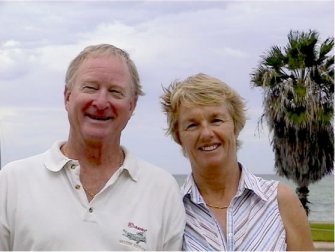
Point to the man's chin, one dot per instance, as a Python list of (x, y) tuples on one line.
[(95, 139)]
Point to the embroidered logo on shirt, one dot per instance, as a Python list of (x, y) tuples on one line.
[(136, 235)]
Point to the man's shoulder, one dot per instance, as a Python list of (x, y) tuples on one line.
[(152, 168), (26, 163), (143, 167), (150, 171)]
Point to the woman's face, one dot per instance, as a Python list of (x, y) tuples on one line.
[(207, 135)]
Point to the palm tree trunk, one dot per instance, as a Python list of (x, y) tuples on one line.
[(302, 192)]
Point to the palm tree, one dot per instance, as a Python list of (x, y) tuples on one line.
[(298, 89)]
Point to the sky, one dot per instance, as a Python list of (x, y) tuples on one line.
[(168, 41)]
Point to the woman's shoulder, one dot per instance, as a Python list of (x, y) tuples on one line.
[(266, 187), (286, 197)]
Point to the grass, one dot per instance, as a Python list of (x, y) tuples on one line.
[(322, 231)]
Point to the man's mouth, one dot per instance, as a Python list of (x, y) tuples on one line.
[(100, 118)]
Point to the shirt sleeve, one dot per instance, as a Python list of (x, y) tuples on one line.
[(4, 225), (175, 223)]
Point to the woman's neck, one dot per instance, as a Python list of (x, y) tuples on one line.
[(217, 185)]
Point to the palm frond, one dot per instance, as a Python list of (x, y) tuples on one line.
[(298, 89)]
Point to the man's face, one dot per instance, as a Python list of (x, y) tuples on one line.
[(100, 100)]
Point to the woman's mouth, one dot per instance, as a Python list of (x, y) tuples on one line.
[(209, 147)]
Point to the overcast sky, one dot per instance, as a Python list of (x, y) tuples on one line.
[(168, 40)]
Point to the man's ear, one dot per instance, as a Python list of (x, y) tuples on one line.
[(132, 105), (67, 93)]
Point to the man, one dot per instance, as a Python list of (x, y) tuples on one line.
[(89, 193)]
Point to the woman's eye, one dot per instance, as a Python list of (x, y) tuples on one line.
[(191, 126), (217, 121)]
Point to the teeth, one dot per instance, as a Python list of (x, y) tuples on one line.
[(100, 118), (209, 148)]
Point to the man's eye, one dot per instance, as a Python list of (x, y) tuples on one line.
[(86, 87), (117, 93)]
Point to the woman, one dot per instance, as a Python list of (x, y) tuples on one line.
[(227, 207)]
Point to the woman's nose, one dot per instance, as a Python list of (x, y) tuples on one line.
[(206, 131)]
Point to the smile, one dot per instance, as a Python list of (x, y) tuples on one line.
[(99, 118), (210, 147)]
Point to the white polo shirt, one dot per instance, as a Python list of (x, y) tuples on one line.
[(43, 207)]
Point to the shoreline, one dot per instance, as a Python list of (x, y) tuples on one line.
[(327, 222)]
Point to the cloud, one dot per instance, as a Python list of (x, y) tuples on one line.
[(7, 113), (168, 40), (11, 57), (29, 131)]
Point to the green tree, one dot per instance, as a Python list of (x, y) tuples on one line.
[(298, 88)]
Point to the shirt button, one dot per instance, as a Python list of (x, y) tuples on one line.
[(230, 235), (77, 187), (90, 210)]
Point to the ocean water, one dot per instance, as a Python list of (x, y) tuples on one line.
[(321, 196)]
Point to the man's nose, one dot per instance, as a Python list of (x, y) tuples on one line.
[(101, 100)]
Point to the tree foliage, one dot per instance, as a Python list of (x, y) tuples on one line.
[(298, 88)]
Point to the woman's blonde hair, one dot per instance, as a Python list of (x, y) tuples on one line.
[(203, 90)]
